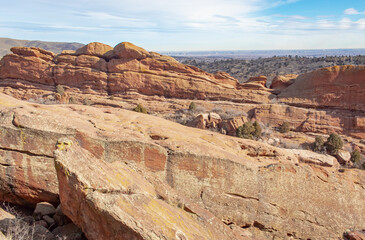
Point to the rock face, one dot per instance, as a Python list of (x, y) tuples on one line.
[(253, 187), (340, 87), (100, 69), (115, 202)]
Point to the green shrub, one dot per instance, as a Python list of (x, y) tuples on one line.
[(246, 130), (192, 106), (333, 143), (284, 127), (257, 132), (318, 145), (355, 156), (140, 109), (60, 89)]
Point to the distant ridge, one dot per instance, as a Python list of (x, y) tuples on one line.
[(56, 47), (254, 54)]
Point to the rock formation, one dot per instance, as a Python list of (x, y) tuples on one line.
[(339, 87), (99, 69), (256, 189)]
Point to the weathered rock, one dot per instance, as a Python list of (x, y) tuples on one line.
[(206, 121), (231, 125), (44, 208), (50, 221), (355, 235), (283, 81), (116, 203), (68, 232), (33, 52), (94, 49), (315, 158), (130, 51), (225, 174), (343, 156), (340, 87), (130, 68), (40, 232), (259, 80), (42, 223)]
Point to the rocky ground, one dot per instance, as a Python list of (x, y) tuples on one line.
[(119, 174)]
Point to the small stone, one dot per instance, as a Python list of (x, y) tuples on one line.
[(40, 232), (42, 223), (42, 209), (50, 221)]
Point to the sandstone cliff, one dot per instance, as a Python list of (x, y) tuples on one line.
[(100, 69), (256, 189)]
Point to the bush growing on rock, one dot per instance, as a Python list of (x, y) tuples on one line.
[(140, 109), (333, 143), (318, 145), (86, 102), (249, 130), (284, 127), (355, 156), (257, 132)]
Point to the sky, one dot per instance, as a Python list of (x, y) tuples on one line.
[(190, 25)]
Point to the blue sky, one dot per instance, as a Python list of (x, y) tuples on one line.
[(167, 25)]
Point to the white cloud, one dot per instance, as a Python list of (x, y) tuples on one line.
[(351, 11)]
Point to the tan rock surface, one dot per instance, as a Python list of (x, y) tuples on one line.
[(118, 203), (273, 190)]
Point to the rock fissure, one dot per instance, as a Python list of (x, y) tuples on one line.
[(241, 196), (26, 152)]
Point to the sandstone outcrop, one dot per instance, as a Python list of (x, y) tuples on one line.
[(97, 68), (112, 201), (339, 87), (251, 186), (283, 81)]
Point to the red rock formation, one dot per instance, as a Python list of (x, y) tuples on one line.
[(340, 87), (99, 69), (243, 182), (282, 81)]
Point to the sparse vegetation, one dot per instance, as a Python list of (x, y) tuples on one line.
[(72, 100), (277, 65), (356, 156), (257, 132), (319, 145), (284, 127), (333, 143), (192, 106), (140, 109), (249, 130)]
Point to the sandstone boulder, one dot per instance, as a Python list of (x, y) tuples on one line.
[(129, 50), (94, 49), (343, 157), (44, 208), (258, 80)]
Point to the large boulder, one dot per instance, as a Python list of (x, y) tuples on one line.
[(283, 81), (129, 50), (94, 49)]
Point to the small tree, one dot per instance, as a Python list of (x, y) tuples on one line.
[(257, 132), (140, 109), (284, 127), (246, 130), (355, 156), (333, 143), (318, 145), (192, 106)]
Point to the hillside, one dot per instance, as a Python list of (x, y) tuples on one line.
[(56, 47), (272, 66)]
